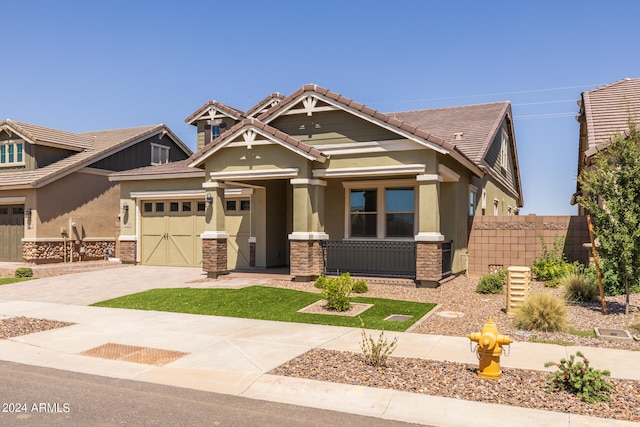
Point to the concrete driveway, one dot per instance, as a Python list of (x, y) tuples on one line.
[(93, 286)]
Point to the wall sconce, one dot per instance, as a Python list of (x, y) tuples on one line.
[(27, 214), (208, 200), (125, 208)]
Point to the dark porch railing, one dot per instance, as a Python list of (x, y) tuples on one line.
[(447, 258), (370, 258)]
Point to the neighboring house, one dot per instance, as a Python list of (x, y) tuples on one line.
[(604, 114), (56, 201), (321, 183)]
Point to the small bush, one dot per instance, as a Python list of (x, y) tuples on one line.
[(553, 265), (336, 292), (491, 283), (376, 353), (581, 379), (321, 282), (24, 272), (359, 287), (578, 288), (541, 311)]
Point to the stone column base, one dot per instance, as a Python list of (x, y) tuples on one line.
[(306, 260), (428, 264), (127, 251), (214, 257)]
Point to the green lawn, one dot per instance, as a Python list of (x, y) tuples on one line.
[(8, 280), (261, 302)]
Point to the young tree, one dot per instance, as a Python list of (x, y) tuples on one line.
[(611, 194)]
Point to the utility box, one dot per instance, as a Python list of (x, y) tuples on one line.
[(518, 279)]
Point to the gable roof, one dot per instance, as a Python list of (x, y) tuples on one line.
[(266, 131), (102, 144), (41, 135), (606, 111), (212, 109), (270, 101)]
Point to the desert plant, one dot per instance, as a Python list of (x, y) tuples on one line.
[(377, 352), (336, 291), (552, 265), (579, 378), (24, 272), (579, 288), (491, 283), (321, 282), (359, 287), (541, 311)]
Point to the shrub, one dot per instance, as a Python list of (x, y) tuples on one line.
[(491, 283), (359, 287), (336, 292), (579, 288), (552, 264), (581, 379), (24, 272), (321, 282), (541, 311), (377, 352)]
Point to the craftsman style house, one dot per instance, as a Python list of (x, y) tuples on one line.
[(605, 113), (56, 201), (323, 184)]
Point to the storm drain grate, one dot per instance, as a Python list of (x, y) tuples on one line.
[(620, 334), (131, 353), (398, 317)]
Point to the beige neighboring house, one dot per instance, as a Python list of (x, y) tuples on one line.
[(56, 201), (323, 184), (604, 114)]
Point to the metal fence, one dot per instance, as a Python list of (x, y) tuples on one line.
[(447, 258), (370, 258)]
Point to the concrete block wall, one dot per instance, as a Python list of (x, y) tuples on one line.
[(504, 241)]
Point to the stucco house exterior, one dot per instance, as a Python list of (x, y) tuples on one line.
[(323, 184), (604, 113), (56, 201)]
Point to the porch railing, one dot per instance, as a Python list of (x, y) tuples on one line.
[(447, 258), (370, 258)]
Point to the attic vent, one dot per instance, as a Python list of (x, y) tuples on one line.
[(458, 136)]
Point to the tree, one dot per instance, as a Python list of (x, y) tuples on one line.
[(611, 194)]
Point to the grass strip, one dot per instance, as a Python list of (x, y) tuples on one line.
[(267, 303), (8, 280)]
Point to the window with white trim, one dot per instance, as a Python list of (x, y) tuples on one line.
[(159, 154), (504, 150), (381, 211), (11, 153), (484, 202), (472, 203), (496, 204)]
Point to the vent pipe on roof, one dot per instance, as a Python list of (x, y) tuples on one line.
[(458, 136)]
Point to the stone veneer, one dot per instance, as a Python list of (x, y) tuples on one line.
[(306, 259), (428, 264), (127, 251), (214, 257), (46, 252)]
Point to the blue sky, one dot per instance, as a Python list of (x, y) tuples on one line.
[(83, 65)]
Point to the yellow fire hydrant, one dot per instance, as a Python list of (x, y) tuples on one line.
[(489, 349)]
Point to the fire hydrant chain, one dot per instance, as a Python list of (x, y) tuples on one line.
[(491, 343)]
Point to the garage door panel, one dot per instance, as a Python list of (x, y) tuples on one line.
[(11, 232)]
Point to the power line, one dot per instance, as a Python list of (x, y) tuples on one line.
[(545, 116), (545, 102)]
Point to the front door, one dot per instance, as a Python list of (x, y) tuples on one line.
[(238, 225), (11, 232)]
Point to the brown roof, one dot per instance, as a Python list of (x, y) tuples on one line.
[(229, 111), (278, 134), (268, 102), (475, 124), (48, 136), (169, 169), (606, 111), (103, 144)]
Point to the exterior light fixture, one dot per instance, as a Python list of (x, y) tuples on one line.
[(208, 199), (125, 208), (27, 214)]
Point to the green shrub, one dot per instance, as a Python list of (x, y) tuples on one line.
[(321, 282), (579, 288), (359, 287), (491, 283), (552, 265), (581, 379), (376, 353), (541, 311), (24, 272), (336, 291)]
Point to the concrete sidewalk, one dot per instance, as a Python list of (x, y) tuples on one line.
[(233, 356)]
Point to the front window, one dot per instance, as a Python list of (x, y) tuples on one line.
[(159, 154), (11, 153), (472, 203), (381, 212)]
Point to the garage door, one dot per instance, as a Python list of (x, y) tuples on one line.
[(11, 232), (170, 232), (238, 225)]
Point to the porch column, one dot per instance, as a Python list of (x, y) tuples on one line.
[(214, 238), (305, 256), (429, 238)]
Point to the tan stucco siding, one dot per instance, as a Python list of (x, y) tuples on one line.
[(331, 127), (260, 157), (334, 213), (393, 158), (494, 193), (91, 201)]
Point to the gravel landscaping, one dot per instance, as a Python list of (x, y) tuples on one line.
[(17, 326)]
